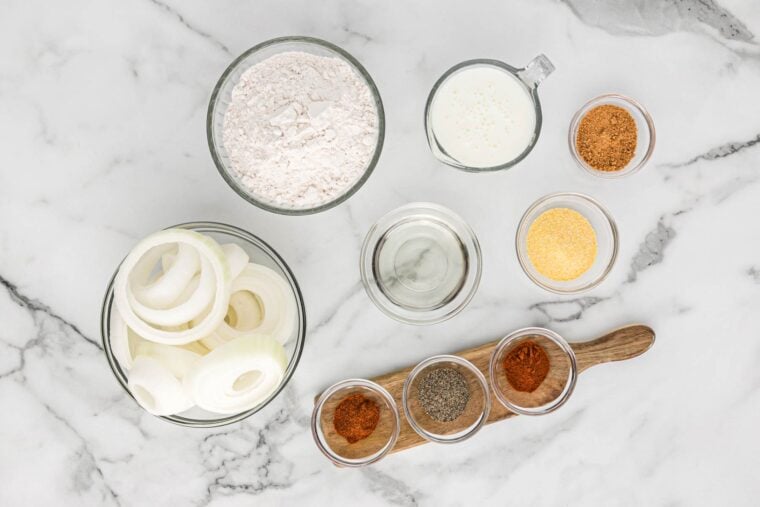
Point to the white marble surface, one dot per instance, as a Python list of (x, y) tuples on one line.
[(102, 111)]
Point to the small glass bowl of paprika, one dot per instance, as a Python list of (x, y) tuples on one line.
[(533, 371), (355, 423)]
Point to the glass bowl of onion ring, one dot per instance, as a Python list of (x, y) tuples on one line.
[(203, 324)]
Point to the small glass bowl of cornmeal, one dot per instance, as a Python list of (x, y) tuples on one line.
[(421, 263), (567, 243)]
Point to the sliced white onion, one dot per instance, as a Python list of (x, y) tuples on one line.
[(165, 290), (142, 272), (156, 389), (237, 258), (275, 299), (210, 252), (238, 375), (198, 347), (244, 312), (186, 295), (124, 341), (213, 341), (177, 360), (199, 300), (167, 260), (243, 317)]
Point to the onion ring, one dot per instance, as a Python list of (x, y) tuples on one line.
[(208, 250), (178, 270), (155, 388), (199, 300), (237, 258), (238, 375)]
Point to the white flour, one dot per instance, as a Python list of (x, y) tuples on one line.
[(300, 129)]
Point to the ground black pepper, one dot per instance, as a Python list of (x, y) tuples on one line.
[(443, 394)]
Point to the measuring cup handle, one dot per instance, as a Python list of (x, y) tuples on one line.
[(536, 71)]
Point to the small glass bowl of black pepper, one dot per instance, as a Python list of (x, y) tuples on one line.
[(533, 371), (368, 442), (446, 399)]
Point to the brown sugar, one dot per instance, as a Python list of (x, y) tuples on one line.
[(606, 138)]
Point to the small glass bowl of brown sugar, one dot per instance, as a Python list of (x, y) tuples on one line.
[(611, 136), (446, 399), (355, 423), (533, 371)]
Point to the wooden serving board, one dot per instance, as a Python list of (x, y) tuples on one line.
[(624, 343)]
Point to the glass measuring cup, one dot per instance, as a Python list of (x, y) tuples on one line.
[(528, 79)]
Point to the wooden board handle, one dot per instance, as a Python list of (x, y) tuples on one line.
[(624, 343)]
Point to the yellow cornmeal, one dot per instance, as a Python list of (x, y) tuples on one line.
[(561, 244)]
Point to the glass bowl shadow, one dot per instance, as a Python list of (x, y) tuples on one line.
[(220, 100), (263, 254)]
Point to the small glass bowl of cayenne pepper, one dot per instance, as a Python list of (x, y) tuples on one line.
[(611, 136), (355, 423), (533, 371)]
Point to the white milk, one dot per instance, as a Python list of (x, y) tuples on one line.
[(483, 117)]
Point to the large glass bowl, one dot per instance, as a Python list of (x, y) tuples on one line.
[(220, 100), (262, 254)]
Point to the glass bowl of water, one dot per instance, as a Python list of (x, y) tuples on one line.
[(421, 263)]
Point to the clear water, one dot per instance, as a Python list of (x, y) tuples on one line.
[(420, 264)]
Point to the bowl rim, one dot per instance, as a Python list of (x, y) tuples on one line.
[(600, 100), (232, 181), (327, 394), (441, 358), (189, 422), (550, 335), (371, 285), (522, 231)]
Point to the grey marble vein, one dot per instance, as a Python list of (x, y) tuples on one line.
[(194, 29), (566, 310), (246, 460), (652, 249), (391, 490), (34, 305), (719, 152), (352, 292), (658, 17), (87, 473)]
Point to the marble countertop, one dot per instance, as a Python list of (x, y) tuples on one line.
[(102, 121)]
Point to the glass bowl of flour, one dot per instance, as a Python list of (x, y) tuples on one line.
[(295, 125)]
